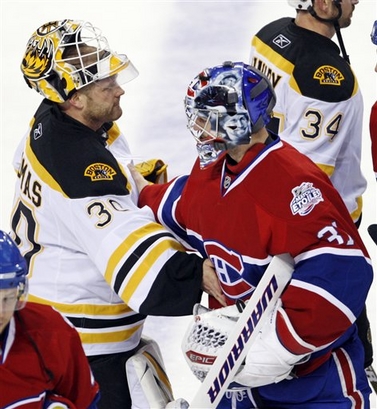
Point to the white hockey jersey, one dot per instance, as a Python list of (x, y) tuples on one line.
[(319, 107), (92, 253)]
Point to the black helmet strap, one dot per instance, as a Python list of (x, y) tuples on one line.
[(335, 21)]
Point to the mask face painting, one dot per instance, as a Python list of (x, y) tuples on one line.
[(225, 105), (235, 127), (216, 115)]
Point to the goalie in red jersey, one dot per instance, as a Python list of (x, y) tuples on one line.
[(251, 196)]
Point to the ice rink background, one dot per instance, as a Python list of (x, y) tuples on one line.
[(169, 42)]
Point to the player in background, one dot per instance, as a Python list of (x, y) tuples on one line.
[(372, 229), (373, 113), (92, 253), (319, 108), (254, 196), (42, 362)]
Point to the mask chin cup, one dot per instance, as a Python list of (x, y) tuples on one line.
[(208, 153)]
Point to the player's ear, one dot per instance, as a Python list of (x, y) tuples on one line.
[(323, 5), (77, 100)]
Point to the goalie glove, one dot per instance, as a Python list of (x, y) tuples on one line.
[(203, 341), (206, 335), (153, 170), (268, 361)]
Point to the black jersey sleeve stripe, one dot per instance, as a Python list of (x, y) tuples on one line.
[(138, 253), (98, 323)]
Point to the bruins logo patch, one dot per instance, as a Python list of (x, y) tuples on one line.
[(328, 75), (99, 171)]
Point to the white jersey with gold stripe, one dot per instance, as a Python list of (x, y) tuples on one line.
[(92, 253), (319, 107)]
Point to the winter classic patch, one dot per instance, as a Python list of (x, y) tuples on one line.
[(305, 198)]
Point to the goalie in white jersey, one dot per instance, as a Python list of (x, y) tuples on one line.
[(92, 253)]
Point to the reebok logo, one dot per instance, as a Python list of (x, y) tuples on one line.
[(281, 41), (37, 133)]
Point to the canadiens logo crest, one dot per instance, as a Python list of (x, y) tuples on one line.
[(99, 171), (227, 181), (305, 198), (231, 269), (328, 75)]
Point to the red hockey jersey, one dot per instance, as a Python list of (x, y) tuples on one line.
[(42, 359), (274, 201), (373, 135)]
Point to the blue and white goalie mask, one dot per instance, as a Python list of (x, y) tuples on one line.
[(225, 105)]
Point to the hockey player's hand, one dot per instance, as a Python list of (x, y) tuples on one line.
[(153, 170), (138, 178), (210, 283)]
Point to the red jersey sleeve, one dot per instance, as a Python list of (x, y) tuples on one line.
[(373, 135)]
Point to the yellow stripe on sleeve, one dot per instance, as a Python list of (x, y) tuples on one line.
[(108, 337), (88, 310), (133, 239), (144, 267)]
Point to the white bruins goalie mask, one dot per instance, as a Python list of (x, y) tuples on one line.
[(63, 56)]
